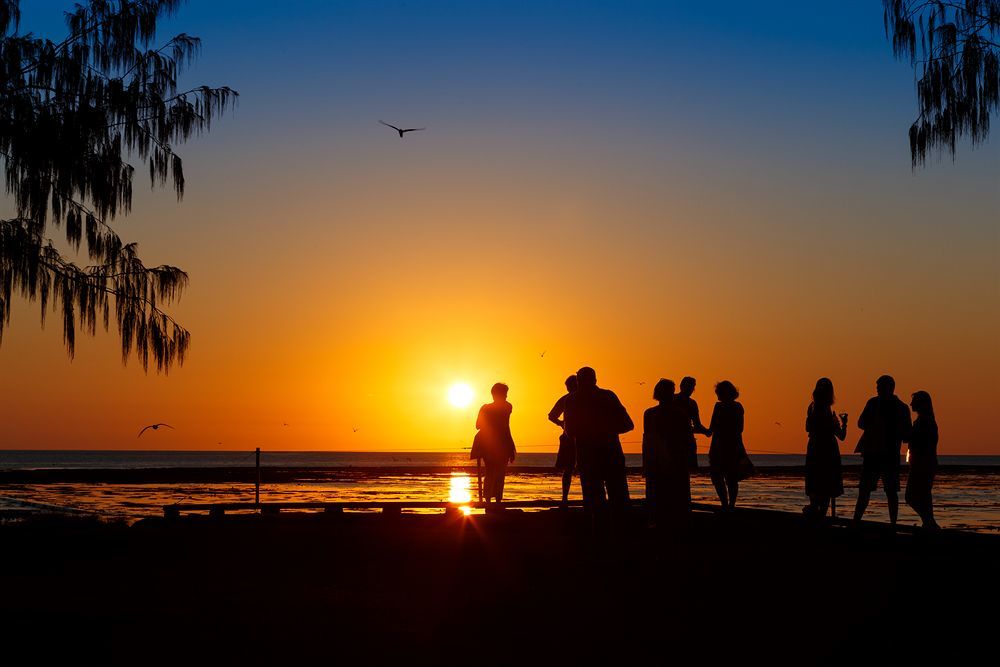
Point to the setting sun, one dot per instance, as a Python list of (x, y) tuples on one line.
[(460, 395)]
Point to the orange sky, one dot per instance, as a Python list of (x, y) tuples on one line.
[(659, 220)]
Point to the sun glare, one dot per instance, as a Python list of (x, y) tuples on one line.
[(460, 492), (460, 395)]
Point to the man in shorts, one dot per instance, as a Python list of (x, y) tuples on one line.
[(886, 424)]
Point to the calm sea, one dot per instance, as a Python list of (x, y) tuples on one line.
[(966, 495)]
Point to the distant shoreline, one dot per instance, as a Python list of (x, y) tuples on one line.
[(277, 474)]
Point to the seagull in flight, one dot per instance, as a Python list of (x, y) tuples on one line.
[(778, 423), (543, 353), (402, 130), (155, 427)]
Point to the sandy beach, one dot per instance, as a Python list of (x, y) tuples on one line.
[(483, 589)]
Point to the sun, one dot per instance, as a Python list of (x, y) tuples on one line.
[(460, 394)]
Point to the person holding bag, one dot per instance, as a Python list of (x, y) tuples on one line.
[(494, 443)]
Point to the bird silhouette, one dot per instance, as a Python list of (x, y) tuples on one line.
[(356, 430), (155, 427), (543, 353), (640, 383), (778, 423), (284, 423), (402, 130)]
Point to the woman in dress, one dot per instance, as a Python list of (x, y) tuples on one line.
[(494, 443), (923, 459), (665, 455), (727, 458), (824, 479)]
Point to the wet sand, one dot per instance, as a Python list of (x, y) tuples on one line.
[(517, 588)]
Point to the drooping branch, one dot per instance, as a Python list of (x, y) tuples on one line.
[(74, 115), (957, 66)]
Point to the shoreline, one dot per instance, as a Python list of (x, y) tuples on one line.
[(279, 474)]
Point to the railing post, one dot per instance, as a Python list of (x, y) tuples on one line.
[(256, 490)]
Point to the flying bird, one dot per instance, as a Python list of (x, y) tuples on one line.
[(543, 353), (356, 430), (401, 130), (284, 423), (155, 427), (640, 383), (778, 423)]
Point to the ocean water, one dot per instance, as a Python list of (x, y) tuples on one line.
[(967, 493)]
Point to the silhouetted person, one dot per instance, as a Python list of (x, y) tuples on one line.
[(685, 402), (824, 477), (666, 431), (727, 457), (923, 459), (494, 443), (595, 418), (566, 458), (886, 424)]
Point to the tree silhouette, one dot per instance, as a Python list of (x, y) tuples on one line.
[(73, 114), (958, 84)]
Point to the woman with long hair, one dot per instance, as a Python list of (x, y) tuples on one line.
[(923, 459), (824, 477)]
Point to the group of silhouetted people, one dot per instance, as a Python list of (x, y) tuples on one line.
[(592, 420)]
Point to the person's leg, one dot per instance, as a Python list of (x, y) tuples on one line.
[(501, 476), (893, 498), (867, 483), (652, 499), (890, 481), (864, 495), (617, 483), (833, 508), (733, 484), (719, 482), (567, 481)]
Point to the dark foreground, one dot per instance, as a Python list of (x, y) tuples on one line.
[(519, 588)]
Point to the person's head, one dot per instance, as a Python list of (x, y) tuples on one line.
[(499, 391), (663, 391), (687, 385), (727, 391), (921, 403), (885, 386), (586, 378), (823, 393), (571, 384)]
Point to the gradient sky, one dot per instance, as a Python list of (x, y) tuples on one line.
[(655, 189)]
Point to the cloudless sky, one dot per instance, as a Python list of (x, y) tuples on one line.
[(655, 189)]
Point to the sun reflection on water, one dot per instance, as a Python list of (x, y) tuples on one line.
[(459, 491)]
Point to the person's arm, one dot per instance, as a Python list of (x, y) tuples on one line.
[(513, 448), (906, 422), (839, 427), (647, 440), (714, 421), (865, 416), (697, 426), (739, 419), (480, 419), (556, 412), (626, 422)]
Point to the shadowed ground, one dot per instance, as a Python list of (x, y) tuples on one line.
[(519, 588)]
